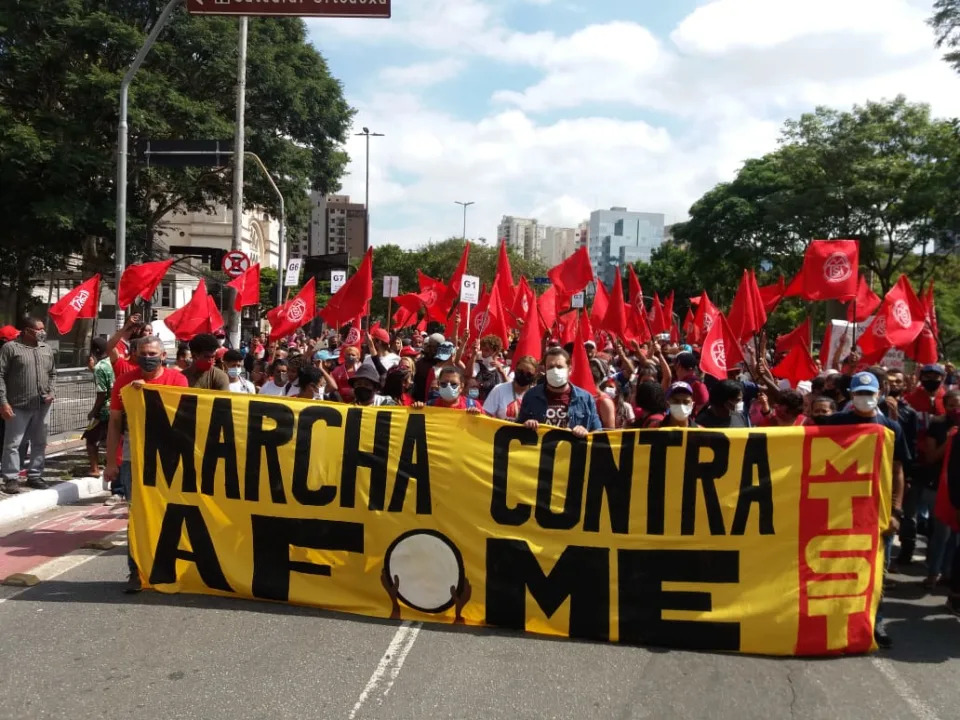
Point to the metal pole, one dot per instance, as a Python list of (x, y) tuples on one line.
[(281, 251), (238, 156), (122, 135), (366, 203), (465, 205)]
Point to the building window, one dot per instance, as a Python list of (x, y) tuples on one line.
[(164, 296)]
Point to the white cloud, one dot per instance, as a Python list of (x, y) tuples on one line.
[(722, 84)]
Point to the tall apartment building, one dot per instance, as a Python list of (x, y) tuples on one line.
[(557, 245), (618, 236), (523, 235), (336, 225), (583, 234)]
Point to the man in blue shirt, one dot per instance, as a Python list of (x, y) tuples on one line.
[(557, 402), (865, 393)]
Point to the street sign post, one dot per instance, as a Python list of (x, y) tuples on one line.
[(235, 263), (391, 286), (338, 278), (576, 300), (301, 8), (469, 294), (292, 278)]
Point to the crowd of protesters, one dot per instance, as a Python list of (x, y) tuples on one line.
[(653, 385)]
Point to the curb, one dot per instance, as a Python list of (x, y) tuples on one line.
[(68, 492)]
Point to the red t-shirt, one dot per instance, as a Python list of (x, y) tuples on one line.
[(342, 376), (167, 377), (919, 400), (461, 403), (122, 366), (558, 408)]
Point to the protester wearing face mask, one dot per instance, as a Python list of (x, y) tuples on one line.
[(122, 345), (343, 373), (821, 407), (278, 379), (203, 374), (27, 375), (865, 391), (623, 411), (425, 364), (558, 403), (365, 384), (927, 398), (488, 368), (686, 371), (233, 364), (450, 387), (725, 409), (310, 384), (294, 363), (399, 383), (504, 400), (680, 407), (606, 404), (149, 371)]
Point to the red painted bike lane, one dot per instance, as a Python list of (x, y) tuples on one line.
[(25, 549)]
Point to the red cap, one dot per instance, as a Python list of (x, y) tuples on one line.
[(381, 335), (9, 332), (221, 352), (409, 351)]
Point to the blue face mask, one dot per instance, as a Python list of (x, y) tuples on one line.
[(473, 393)]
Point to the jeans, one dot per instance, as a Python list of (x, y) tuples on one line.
[(30, 425), (125, 477), (917, 501), (887, 547)]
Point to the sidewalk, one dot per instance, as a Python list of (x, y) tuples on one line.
[(66, 452)]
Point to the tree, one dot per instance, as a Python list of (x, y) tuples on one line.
[(946, 24), (61, 63)]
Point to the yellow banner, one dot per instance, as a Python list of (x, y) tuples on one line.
[(758, 541)]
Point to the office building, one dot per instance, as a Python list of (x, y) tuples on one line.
[(523, 235), (618, 237), (336, 225)]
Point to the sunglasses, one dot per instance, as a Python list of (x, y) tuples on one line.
[(449, 384)]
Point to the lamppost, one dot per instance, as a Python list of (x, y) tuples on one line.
[(366, 223), (465, 206)]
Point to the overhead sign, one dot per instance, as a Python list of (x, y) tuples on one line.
[(391, 286), (541, 281), (302, 8), (771, 544), (338, 278), (236, 263), (576, 300), (470, 289), (292, 278)]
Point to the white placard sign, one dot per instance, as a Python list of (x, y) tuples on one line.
[(576, 300), (391, 286), (338, 278), (292, 278), (470, 289)]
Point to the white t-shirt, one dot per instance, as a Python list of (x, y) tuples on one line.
[(243, 386), (271, 388), (503, 402), (389, 361)]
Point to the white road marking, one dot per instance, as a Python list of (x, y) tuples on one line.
[(390, 664), (902, 688)]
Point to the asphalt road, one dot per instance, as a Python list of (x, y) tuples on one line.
[(76, 647)]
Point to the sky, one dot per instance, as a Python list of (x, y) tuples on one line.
[(554, 108)]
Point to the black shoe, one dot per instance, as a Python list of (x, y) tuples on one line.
[(133, 585), (884, 641), (36, 483), (11, 487), (905, 556)]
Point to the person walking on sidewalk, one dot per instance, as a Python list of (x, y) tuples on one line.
[(99, 415), (27, 374), (150, 371)]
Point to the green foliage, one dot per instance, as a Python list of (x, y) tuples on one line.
[(946, 24), (61, 64)]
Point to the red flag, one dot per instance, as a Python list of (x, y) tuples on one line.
[(801, 335), (404, 316), (874, 342), (925, 349), (487, 318), (588, 333), (797, 366), (432, 294), (547, 307), (581, 375), (567, 327), (284, 320), (530, 341), (247, 286), (829, 271), (524, 297), (743, 318), (504, 277), (864, 305), (199, 315), (905, 315), (659, 323), (668, 312), (601, 302), (81, 302), (704, 318), (573, 274), (614, 320), (141, 281), (721, 349), (674, 334), (771, 295), (689, 324), (452, 295), (351, 301)]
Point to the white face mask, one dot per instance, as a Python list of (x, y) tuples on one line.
[(679, 411), (611, 392), (450, 393), (557, 377), (865, 403), (488, 362), (738, 408)]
